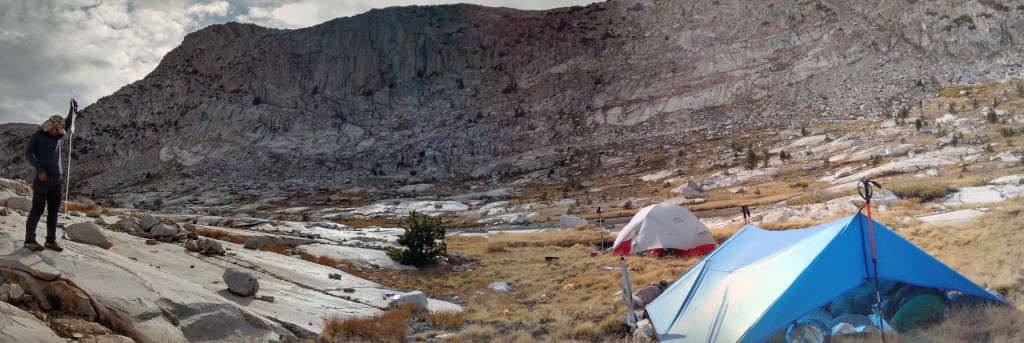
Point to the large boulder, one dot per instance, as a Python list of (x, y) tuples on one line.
[(500, 287), (691, 190), (241, 282), (130, 225), (20, 203), (211, 246), (163, 230), (568, 221), (148, 222), (191, 245), (648, 294), (257, 242), (20, 326), (644, 332), (417, 298), (88, 233)]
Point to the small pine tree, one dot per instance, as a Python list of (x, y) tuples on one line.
[(1020, 90), (803, 131), (989, 148), (423, 241), (991, 116), (751, 161), (904, 112), (951, 107), (784, 156), (1006, 131), (628, 205), (918, 124)]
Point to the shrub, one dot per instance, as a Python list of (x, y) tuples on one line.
[(423, 241), (991, 116), (628, 205), (923, 191)]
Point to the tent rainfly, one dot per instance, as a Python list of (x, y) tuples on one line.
[(759, 282), (664, 226)]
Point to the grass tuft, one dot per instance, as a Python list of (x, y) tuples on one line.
[(925, 191), (479, 333), (282, 249), (500, 246), (222, 235), (446, 319), (389, 326), (77, 207)]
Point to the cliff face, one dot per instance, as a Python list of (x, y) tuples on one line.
[(443, 92)]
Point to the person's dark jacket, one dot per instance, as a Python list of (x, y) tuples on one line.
[(43, 150)]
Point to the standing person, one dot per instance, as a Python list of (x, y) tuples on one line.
[(43, 152)]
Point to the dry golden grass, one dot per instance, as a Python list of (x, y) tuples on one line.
[(499, 246), (584, 311), (333, 263), (478, 333), (282, 249), (446, 319), (389, 326), (221, 235), (370, 222), (562, 238), (819, 196), (74, 206)]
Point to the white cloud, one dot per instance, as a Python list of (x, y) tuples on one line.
[(304, 13), (217, 7)]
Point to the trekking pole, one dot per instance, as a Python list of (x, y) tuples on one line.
[(866, 192), (71, 136), (600, 224), (746, 214)]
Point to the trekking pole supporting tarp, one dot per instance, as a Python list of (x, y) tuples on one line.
[(627, 294), (866, 193)]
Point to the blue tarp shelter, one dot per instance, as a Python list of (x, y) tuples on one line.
[(758, 282)]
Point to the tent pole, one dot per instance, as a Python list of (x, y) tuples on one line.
[(867, 193)]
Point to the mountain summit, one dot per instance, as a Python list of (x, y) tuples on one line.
[(414, 94)]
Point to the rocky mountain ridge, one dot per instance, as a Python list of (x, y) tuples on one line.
[(460, 92)]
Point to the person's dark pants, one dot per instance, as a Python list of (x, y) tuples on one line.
[(44, 195)]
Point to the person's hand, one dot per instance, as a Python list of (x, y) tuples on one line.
[(42, 176)]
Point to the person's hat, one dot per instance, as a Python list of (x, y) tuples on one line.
[(54, 122)]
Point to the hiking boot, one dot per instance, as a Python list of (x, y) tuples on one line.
[(52, 246), (33, 246)]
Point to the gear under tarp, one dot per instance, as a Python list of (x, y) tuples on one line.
[(758, 282)]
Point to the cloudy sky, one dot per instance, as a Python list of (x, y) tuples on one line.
[(54, 50)]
